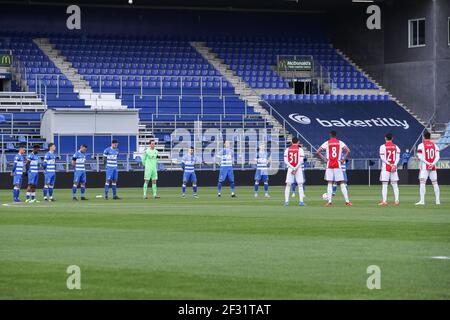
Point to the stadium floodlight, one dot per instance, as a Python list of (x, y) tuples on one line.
[(130, 1), (363, 1)]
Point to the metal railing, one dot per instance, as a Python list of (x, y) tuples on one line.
[(157, 99), (159, 82), (219, 121), (287, 125), (427, 126)]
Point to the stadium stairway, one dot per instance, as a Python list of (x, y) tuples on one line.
[(93, 99), (443, 141), (21, 102), (20, 119), (246, 93)]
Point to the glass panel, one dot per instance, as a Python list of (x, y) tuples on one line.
[(412, 33), (421, 32)]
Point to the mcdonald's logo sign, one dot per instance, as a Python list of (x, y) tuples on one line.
[(5, 60)]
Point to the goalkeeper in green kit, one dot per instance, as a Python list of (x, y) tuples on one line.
[(150, 162)]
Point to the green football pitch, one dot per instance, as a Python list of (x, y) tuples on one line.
[(224, 248)]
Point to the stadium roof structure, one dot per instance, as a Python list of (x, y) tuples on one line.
[(290, 5)]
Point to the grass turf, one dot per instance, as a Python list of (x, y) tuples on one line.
[(210, 248)]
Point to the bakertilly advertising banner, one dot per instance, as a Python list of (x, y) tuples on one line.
[(359, 124)]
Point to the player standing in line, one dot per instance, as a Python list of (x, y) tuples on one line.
[(428, 153), (49, 166), (390, 156), (33, 174), (188, 165), (17, 172), (150, 162), (262, 170), (293, 158), (112, 174), (294, 185), (344, 172), (79, 175), (226, 169), (334, 148)]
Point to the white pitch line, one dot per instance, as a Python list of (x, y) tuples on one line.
[(441, 258)]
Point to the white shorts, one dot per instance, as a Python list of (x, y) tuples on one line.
[(386, 176), (336, 175), (297, 177), (425, 174)]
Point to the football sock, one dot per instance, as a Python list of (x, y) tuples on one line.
[(266, 187), (436, 191), (287, 192), (114, 189), (106, 189), (384, 191), (344, 192), (145, 188), (154, 189), (422, 191), (330, 192), (301, 192), (16, 192), (396, 192)]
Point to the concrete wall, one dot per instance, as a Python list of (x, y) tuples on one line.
[(419, 77), (131, 21), (89, 122)]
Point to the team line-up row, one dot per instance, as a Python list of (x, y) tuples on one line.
[(333, 152)]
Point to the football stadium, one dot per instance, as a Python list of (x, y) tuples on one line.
[(225, 150)]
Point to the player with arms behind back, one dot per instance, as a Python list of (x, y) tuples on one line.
[(79, 174), (112, 173), (428, 153), (17, 172), (188, 165), (334, 149), (390, 157), (226, 156), (150, 163), (49, 165), (33, 174), (293, 158), (262, 170)]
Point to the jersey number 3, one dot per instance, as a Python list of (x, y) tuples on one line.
[(293, 158)]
